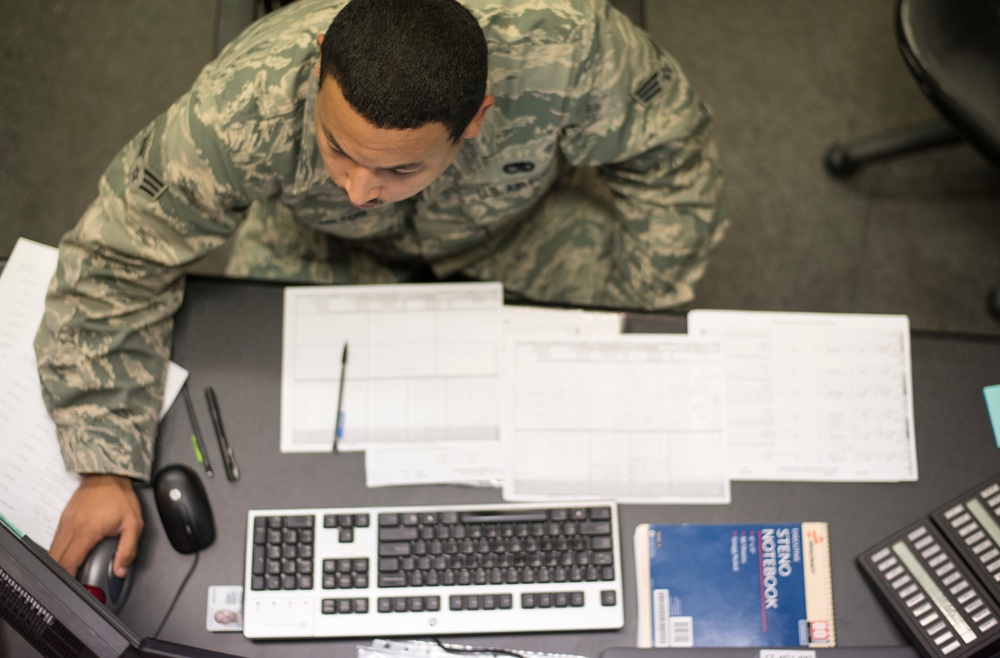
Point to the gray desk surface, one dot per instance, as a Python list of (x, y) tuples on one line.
[(228, 336)]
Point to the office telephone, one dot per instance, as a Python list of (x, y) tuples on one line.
[(940, 576)]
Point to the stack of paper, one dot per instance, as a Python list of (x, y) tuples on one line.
[(446, 385), (34, 483)]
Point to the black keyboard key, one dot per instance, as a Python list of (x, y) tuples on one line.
[(388, 520), (399, 533), (600, 513), (595, 528), (259, 530), (394, 579), (396, 549), (257, 561), (299, 521), (601, 543), (603, 558)]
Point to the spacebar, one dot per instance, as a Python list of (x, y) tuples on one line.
[(501, 517)]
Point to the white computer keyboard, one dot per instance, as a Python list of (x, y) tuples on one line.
[(432, 570)]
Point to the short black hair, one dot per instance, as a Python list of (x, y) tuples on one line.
[(405, 63)]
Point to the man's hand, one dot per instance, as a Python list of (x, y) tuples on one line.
[(102, 506)]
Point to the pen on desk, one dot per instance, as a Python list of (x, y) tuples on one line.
[(228, 458), (338, 429), (196, 441)]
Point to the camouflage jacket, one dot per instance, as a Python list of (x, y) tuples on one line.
[(574, 82)]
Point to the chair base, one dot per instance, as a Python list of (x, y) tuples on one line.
[(842, 160), (993, 302)]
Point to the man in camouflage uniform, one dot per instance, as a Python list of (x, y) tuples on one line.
[(586, 176)]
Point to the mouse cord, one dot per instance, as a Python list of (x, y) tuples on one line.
[(177, 596), (474, 650)]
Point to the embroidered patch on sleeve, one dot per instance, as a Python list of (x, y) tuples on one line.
[(649, 87), (143, 177)]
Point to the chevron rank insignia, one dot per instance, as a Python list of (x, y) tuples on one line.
[(649, 87), (143, 177)]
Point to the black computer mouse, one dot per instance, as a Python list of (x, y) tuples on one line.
[(184, 509), (97, 575)]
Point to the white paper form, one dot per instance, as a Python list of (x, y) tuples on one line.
[(34, 483), (816, 396), (478, 462), (423, 364), (637, 418), (23, 283)]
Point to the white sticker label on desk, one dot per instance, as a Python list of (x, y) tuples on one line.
[(787, 653)]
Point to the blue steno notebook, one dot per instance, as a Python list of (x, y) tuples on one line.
[(757, 585)]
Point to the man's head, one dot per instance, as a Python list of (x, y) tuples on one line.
[(402, 83)]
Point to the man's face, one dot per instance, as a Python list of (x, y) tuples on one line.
[(378, 165)]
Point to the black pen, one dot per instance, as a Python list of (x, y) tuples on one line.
[(232, 470), (338, 429), (199, 447)]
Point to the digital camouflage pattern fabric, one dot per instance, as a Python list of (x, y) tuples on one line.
[(594, 182)]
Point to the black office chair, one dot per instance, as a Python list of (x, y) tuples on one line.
[(953, 49)]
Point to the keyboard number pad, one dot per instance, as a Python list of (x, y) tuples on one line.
[(282, 557)]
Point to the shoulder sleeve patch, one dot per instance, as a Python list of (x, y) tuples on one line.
[(143, 177)]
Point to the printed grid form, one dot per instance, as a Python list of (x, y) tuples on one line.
[(422, 364), (636, 418)]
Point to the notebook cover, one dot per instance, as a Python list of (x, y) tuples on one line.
[(738, 585)]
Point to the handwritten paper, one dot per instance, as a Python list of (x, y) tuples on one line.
[(816, 396), (34, 482)]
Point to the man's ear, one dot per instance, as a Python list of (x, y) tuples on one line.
[(319, 40), (477, 121)]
